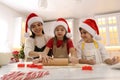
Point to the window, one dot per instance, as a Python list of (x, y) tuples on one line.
[(10, 36), (108, 27)]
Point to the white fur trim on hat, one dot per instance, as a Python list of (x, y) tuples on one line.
[(61, 23), (69, 35), (34, 19), (90, 30), (26, 35), (97, 37)]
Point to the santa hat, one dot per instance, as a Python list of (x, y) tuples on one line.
[(90, 26), (63, 22), (31, 19)]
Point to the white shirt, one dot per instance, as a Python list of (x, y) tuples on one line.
[(30, 43)]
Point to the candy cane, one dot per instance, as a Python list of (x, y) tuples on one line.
[(18, 75), (7, 76), (24, 76)]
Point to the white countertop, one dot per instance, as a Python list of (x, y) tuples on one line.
[(99, 72)]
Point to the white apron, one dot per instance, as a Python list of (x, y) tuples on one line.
[(91, 52)]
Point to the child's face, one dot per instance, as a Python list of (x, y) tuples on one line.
[(37, 28), (87, 37), (60, 31)]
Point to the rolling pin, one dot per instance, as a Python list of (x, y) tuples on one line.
[(57, 62)]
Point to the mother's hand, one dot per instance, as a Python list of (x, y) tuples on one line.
[(44, 57)]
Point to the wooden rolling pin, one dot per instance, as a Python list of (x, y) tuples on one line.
[(57, 62)]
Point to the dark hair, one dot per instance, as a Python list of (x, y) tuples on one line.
[(80, 28)]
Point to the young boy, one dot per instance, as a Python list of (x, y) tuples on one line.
[(89, 50)]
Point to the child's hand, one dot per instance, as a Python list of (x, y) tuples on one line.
[(50, 60), (44, 57), (115, 60), (112, 61), (91, 61), (73, 60)]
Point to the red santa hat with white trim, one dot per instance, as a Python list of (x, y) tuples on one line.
[(63, 22), (90, 26), (32, 17)]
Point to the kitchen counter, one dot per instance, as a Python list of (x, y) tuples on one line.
[(99, 72)]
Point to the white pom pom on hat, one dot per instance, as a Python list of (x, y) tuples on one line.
[(63, 22), (32, 17), (90, 26)]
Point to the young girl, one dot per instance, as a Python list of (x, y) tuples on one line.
[(89, 50), (35, 43), (61, 44)]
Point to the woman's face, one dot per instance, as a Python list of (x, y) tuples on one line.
[(37, 28), (60, 31), (87, 37)]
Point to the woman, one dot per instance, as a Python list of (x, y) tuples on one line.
[(36, 42)]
